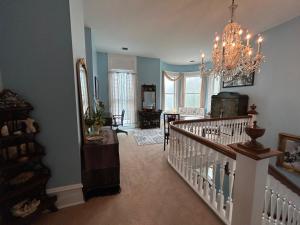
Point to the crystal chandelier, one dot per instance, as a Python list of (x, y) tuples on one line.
[(232, 57)]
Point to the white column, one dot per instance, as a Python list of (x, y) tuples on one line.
[(249, 190)]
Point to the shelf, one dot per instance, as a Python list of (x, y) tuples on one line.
[(16, 139), (15, 164), (46, 203), (37, 180)]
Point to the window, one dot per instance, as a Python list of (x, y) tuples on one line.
[(122, 95), (213, 88), (192, 91), (170, 94)]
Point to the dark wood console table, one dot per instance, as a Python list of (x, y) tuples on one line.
[(101, 166), (149, 119)]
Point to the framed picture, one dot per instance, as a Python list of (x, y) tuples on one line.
[(290, 146), (96, 88), (244, 81)]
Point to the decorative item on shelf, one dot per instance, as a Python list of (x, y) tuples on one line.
[(25, 208), (18, 132), (9, 99), (4, 131), (289, 144), (12, 152), (21, 178), (30, 126), (233, 58)]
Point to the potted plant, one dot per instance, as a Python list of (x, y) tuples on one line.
[(88, 121), (98, 116)]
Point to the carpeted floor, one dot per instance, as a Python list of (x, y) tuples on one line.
[(152, 194)]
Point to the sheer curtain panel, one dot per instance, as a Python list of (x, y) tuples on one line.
[(122, 95)]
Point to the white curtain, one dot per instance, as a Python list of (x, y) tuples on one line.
[(176, 78), (122, 95), (213, 88)]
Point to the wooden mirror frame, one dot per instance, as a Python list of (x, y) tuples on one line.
[(148, 88), (81, 63)]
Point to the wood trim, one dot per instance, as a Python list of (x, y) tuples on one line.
[(283, 137), (254, 154), (230, 152), (225, 150), (211, 119), (81, 62), (283, 179)]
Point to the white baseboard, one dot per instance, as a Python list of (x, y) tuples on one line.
[(67, 196)]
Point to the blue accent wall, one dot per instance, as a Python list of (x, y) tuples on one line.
[(36, 61), (102, 68), (149, 72), (276, 87), (179, 68)]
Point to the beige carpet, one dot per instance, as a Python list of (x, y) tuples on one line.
[(152, 194)]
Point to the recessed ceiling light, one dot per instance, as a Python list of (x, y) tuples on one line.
[(124, 48)]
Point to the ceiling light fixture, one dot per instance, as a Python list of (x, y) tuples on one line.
[(233, 57)]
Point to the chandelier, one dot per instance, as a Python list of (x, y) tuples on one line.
[(232, 56)]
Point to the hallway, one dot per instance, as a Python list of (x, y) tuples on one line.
[(152, 194)]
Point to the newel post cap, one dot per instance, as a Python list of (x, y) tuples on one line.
[(256, 155)]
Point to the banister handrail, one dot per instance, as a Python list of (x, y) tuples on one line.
[(211, 119), (224, 149), (283, 179), (200, 149)]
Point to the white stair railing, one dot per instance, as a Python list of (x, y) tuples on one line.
[(281, 204), (198, 163), (199, 153), (221, 130)]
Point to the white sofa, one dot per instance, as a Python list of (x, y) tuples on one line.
[(191, 112)]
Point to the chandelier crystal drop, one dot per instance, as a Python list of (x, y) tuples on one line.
[(232, 56)]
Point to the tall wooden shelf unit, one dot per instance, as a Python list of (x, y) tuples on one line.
[(23, 175)]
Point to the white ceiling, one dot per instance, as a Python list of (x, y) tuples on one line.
[(176, 30)]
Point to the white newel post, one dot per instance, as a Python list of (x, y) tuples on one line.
[(250, 181)]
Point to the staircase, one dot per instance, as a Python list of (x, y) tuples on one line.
[(237, 184)]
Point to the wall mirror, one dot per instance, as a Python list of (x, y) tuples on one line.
[(149, 97), (83, 92)]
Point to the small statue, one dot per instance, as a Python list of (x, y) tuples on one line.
[(30, 126), (4, 131)]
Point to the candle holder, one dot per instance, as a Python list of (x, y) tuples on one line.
[(254, 132)]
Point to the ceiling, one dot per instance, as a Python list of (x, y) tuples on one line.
[(176, 30)]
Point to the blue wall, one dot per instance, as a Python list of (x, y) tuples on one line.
[(102, 67), (179, 68), (149, 72), (36, 61), (185, 68), (276, 87)]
